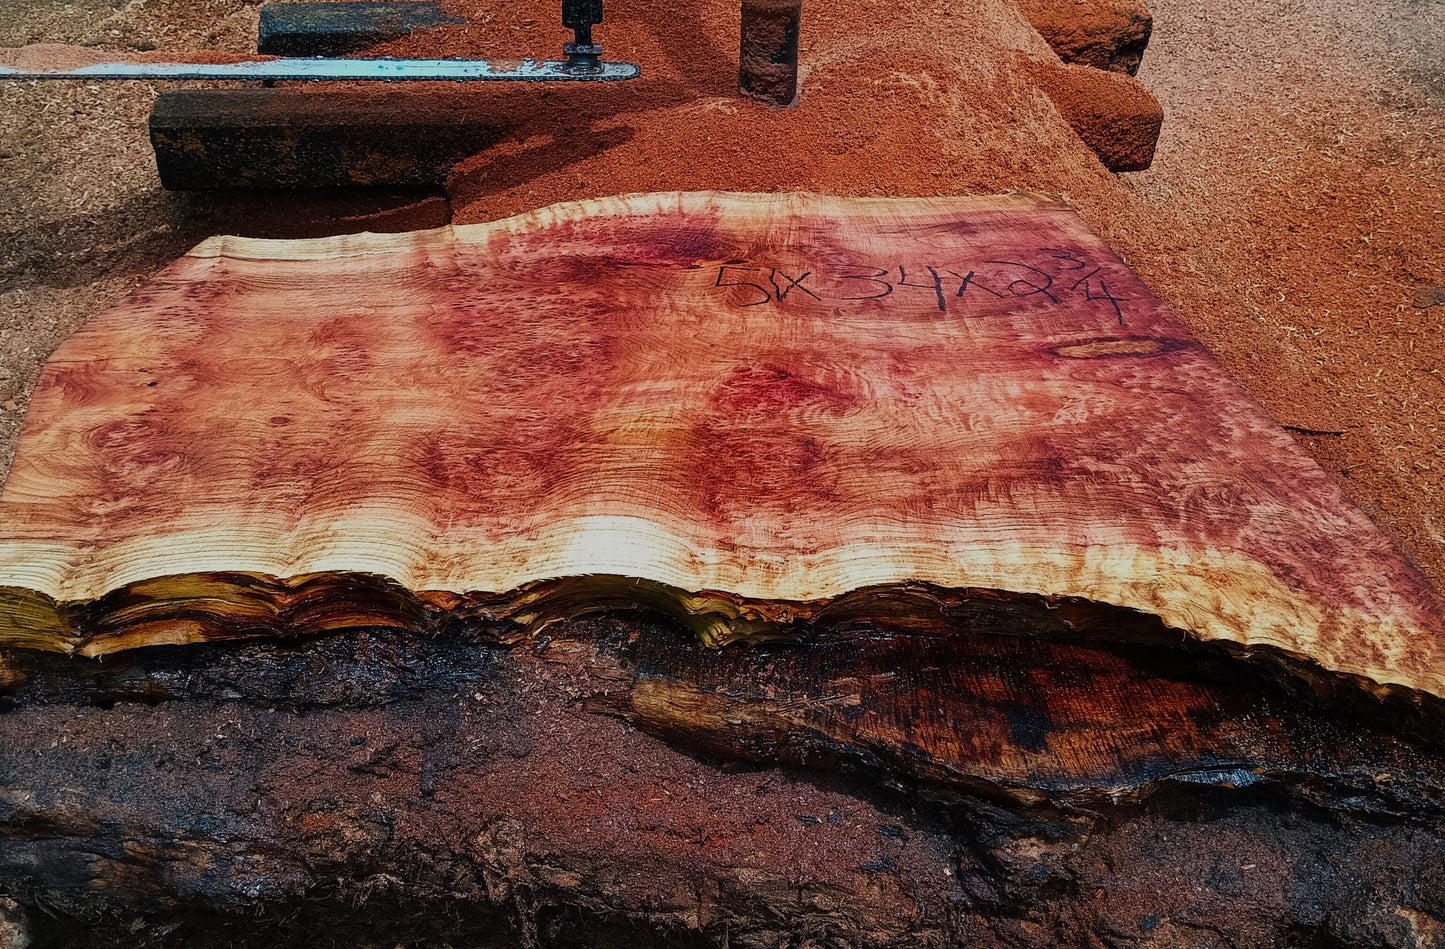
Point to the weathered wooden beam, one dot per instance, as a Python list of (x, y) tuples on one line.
[(282, 138), (335, 29)]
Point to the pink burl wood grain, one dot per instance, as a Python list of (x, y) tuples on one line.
[(753, 403)]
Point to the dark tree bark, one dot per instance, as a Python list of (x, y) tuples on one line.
[(614, 784)]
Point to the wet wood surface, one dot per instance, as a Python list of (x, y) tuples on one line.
[(1066, 725), (748, 410)]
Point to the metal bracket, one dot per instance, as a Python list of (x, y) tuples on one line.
[(579, 16)]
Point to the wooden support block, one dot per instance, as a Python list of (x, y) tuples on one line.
[(1105, 34), (335, 29), (1112, 112), (283, 138)]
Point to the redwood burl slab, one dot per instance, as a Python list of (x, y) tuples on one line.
[(747, 410)]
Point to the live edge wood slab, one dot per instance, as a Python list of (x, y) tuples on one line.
[(749, 411)]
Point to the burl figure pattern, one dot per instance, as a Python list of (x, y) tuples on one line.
[(745, 409)]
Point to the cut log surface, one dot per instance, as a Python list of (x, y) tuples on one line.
[(750, 410)]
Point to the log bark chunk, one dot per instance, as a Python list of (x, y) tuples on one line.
[(747, 410)]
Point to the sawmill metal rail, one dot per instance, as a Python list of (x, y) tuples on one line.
[(380, 70)]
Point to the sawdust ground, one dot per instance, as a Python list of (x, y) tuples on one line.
[(1293, 216), (1303, 163)]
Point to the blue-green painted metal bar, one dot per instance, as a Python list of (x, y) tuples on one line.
[(351, 70)]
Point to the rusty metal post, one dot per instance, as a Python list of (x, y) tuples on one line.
[(769, 56)]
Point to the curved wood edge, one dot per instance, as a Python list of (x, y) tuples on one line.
[(1213, 595), (221, 607), (633, 203)]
